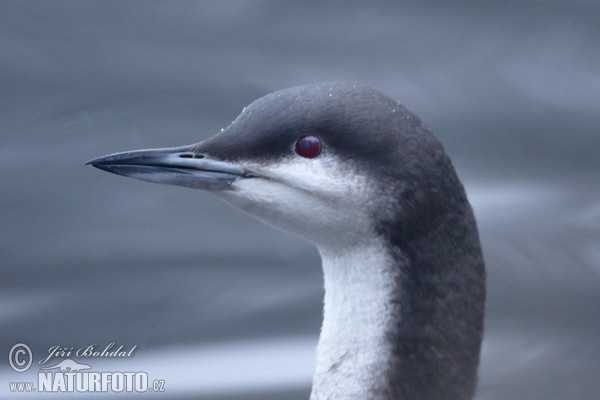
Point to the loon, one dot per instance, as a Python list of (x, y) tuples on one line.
[(357, 174)]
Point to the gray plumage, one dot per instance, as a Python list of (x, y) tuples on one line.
[(382, 183)]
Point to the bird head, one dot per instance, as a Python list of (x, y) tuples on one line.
[(321, 161)]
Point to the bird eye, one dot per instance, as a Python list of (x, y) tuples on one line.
[(308, 146)]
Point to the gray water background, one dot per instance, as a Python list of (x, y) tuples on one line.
[(512, 89)]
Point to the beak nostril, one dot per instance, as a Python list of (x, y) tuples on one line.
[(191, 155)]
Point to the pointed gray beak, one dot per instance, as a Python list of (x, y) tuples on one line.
[(174, 166)]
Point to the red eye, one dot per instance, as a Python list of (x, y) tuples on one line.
[(308, 146)]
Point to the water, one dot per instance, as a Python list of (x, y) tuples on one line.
[(221, 306)]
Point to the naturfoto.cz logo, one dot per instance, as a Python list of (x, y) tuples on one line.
[(69, 375)]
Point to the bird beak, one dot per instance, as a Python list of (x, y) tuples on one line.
[(181, 166)]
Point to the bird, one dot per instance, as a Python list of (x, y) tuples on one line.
[(353, 171)]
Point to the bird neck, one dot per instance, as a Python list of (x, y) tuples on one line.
[(402, 323), (354, 348)]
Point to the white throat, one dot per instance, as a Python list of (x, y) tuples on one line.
[(354, 350)]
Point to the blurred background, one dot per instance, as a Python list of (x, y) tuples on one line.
[(223, 307)]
